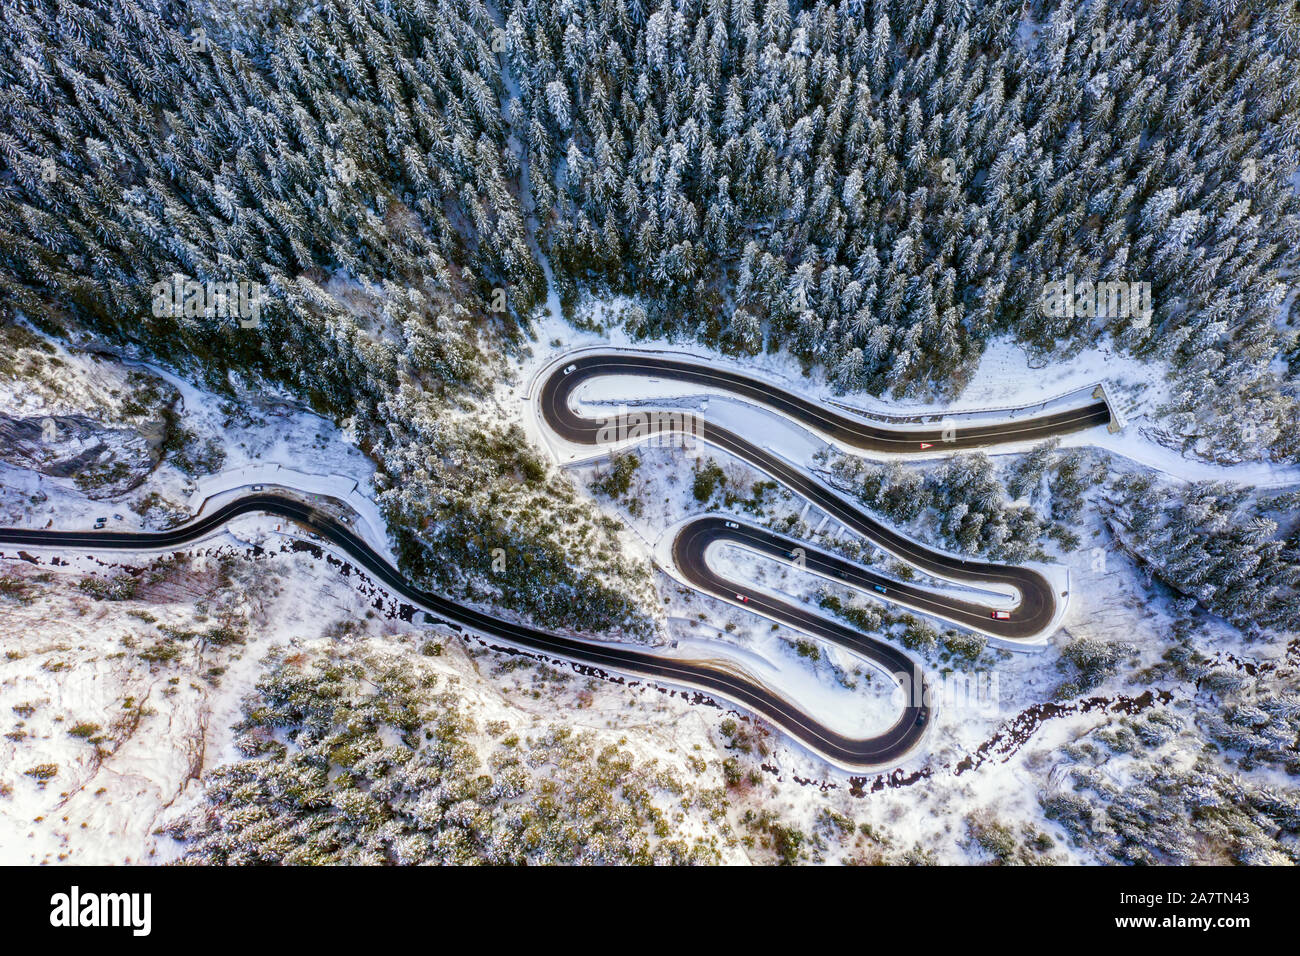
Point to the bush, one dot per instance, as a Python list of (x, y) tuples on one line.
[(120, 588), (1093, 661), (919, 635), (618, 478), (708, 479)]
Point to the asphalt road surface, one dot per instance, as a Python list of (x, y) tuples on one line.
[(1034, 611), (847, 751), (1037, 603), (694, 538), (559, 386)]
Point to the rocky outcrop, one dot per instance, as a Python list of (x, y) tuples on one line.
[(103, 461)]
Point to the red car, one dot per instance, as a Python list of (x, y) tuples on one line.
[(741, 597), (1001, 615)]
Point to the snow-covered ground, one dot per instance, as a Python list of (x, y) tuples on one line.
[(212, 491), (1006, 384), (75, 661), (124, 740), (258, 433), (126, 736)]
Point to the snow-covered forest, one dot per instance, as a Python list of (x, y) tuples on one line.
[(877, 193), (872, 187), (879, 187), (352, 162)]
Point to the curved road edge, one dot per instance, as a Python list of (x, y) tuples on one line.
[(849, 753), (922, 599), (852, 430), (1038, 606)]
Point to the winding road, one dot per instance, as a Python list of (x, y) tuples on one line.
[(558, 388), (1033, 613), (846, 751), (1037, 604)]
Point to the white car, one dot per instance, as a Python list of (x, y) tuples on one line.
[(732, 524), (571, 368), (1001, 615), (258, 487)]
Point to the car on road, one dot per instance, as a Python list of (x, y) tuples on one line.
[(742, 598), (258, 487), (1001, 615), (732, 524), (880, 588), (571, 368), (921, 718)]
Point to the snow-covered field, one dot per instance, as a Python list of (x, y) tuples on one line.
[(263, 430), (125, 738)]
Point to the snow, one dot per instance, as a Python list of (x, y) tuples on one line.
[(213, 491), (1005, 384), (261, 434), (73, 661)]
